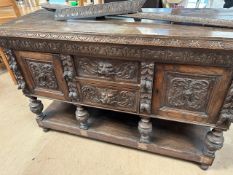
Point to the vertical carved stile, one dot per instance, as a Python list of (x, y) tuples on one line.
[(147, 76), (226, 114), (16, 70), (68, 73)]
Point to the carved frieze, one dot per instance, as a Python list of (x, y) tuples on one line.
[(226, 114), (157, 54), (69, 73), (188, 92), (111, 70), (147, 76), (16, 70), (119, 39), (122, 99), (43, 74)]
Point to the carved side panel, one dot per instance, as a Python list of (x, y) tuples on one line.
[(110, 97), (16, 70), (226, 114), (147, 76), (188, 92), (43, 74), (69, 73), (108, 69)]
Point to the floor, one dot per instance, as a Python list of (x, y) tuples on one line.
[(26, 150)]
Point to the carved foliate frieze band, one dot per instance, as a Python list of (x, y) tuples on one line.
[(226, 114), (113, 98), (147, 76), (119, 39), (187, 91), (69, 73), (43, 74), (16, 70), (107, 69), (158, 54)]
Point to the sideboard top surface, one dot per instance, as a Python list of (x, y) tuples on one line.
[(41, 25)]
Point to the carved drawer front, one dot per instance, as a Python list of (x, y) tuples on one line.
[(43, 74), (189, 93), (120, 71), (110, 97)]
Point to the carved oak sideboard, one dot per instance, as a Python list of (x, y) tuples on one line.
[(162, 88)]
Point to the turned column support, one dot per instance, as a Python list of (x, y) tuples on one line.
[(82, 116), (36, 107), (145, 130), (213, 141)]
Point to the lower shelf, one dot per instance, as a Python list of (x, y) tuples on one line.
[(173, 139)]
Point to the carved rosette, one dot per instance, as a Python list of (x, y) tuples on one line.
[(226, 114), (147, 76), (68, 73), (14, 67)]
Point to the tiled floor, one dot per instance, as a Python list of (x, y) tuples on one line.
[(26, 150)]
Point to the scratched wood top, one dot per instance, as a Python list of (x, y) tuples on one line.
[(43, 21)]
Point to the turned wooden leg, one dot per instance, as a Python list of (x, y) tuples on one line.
[(82, 116), (36, 107), (213, 141), (145, 130)]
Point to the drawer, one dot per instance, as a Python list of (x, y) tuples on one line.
[(107, 69), (189, 93), (109, 96), (43, 74)]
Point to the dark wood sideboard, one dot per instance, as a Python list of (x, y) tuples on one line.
[(158, 87)]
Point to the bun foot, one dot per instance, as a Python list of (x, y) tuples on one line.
[(46, 129), (204, 166)]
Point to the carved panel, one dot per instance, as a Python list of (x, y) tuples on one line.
[(112, 70), (43, 74), (111, 97), (147, 76), (157, 54), (69, 73), (188, 92)]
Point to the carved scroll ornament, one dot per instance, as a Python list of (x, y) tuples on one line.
[(14, 67), (147, 76), (68, 73), (226, 114)]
